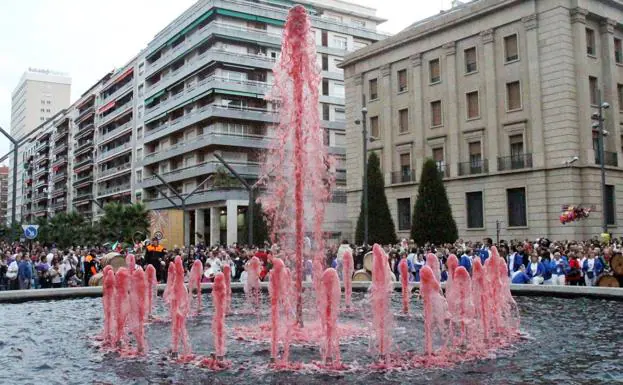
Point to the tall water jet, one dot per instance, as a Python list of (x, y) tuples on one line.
[(122, 305), (480, 298), (151, 281), (194, 283), (382, 321), (297, 167), (219, 296), (227, 281), (465, 310), (435, 309), (403, 268), (347, 272), (278, 287), (108, 299), (433, 262), (177, 298), (137, 324), (252, 284), (329, 312), (130, 262)]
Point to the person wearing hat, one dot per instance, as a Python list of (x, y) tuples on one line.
[(154, 255)]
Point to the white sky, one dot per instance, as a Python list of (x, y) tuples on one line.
[(88, 38)]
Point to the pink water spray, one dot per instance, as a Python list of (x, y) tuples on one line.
[(480, 299), (151, 281), (219, 296), (382, 321), (227, 281), (433, 262), (278, 288), (347, 273), (137, 320), (329, 312), (194, 283), (108, 300), (403, 268), (435, 309), (465, 311), (122, 305), (252, 284), (177, 298)]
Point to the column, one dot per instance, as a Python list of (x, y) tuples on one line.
[(215, 225), (578, 24), (534, 76), (186, 219), (450, 109), (232, 222), (200, 225), (491, 104), (387, 127), (609, 91), (416, 100)]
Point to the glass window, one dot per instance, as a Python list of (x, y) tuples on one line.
[(374, 127), (593, 89), (373, 85), (475, 211), (404, 214), (471, 61), (620, 96), (590, 41), (516, 201), (513, 96), (403, 120), (436, 119), (402, 80), (434, 71), (339, 115), (511, 52), (618, 51), (405, 164), (610, 205), (473, 108), (338, 90)]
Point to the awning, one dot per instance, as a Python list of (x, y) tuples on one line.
[(157, 117), (120, 78), (154, 96), (183, 31), (107, 107), (236, 93), (247, 16)]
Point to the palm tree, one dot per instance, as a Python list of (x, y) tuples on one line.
[(120, 222)]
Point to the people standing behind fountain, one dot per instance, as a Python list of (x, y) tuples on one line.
[(155, 255), (344, 247), (592, 268)]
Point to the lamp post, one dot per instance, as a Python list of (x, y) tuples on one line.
[(364, 195), (598, 124)]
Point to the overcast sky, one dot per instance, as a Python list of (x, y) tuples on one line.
[(88, 38)]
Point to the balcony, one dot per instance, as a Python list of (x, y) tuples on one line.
[(125, 88), (85, 197), (59, 161), (59, 176), (59, 191), (443, 168), (211, 82), (474, 168), (83, 148), (60, 148), (59, 204), (42, 146), (114, 170), (208, 111), (249, 169), (114, 152), (88, 129), (127, 127), (610, 159), (515, 162), (40, 172), (41, 183), (40, 196), (41, 159), (84, 114), (118, 112), (60, 134), (404, 176), (113, 190)]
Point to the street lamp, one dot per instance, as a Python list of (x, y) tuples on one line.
[(598, 124), (364, 197)]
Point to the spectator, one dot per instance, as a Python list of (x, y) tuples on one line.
[(592, 268), (54, 274), (520, 276), (558, 267), (535, 270), (24, 273), (466, 260), (574, 275)]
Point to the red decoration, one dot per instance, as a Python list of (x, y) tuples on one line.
[(573, 213)]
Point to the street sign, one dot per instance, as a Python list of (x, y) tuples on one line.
[(30, 231), (158, 235)]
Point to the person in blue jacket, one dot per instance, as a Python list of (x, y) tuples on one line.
[(592, 268), (485, 250), (559, 267), (24, 273), (545, 260), (520, 276), (466, 260), (516, 259), (419, 263), (535, 270)]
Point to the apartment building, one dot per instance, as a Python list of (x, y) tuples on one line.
[(4, 188), (38, 96), (500, 94), (206, 75)]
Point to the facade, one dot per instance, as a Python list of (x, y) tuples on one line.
[(39, 95), (206, 75), (4, 188), (500, 94)]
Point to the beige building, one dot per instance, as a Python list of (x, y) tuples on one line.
[(500, 93)]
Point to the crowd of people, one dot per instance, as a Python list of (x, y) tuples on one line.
[(538, 262)]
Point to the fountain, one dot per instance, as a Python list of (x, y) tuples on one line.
[(347, 272)]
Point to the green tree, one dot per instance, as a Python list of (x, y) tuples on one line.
[(121, 222), (380, 223), (260, 228), (223, 178), (432, 215)]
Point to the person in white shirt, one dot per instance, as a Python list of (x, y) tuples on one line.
[(344, 247)]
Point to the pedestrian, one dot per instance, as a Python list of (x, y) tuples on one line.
[(24, 273)]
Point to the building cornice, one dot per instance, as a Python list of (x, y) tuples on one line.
[(530, 22), (578, 15)]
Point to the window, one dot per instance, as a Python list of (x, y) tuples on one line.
[(325, 87), (435, 110), (338, 90), (402, 80), (434, 71), (325, 62), (618, 51), (43, 110), (403, 120), (339, 115), (516, 201), (475, 154), (374, 127), (404, 214), (326, 111), (511, 52), (475, 212), (620, 96), (610, 209), (590, 41), (326, 137), (373, 85), (592, 86), (473, 108), (43, 102), (339, 42), (47, 110), (513, 96), (471, 63), (438, 155), (48, 102), (516, 145), (405, 165)]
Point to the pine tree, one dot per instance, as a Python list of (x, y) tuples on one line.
[(432, 216), (381, 228), (260, 228)]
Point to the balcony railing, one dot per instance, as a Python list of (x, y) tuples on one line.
[(515, 162), (42, 145), (60, 134), (115, 132), (85, 113), (39, 172), (61, 148), (83, 162), (610, 159), (59, 176), (83, 178), (116, 113), (83, 146), (474, 167), (40, 196), (59, 160), (112, 190), (113, 170), (82, 197), (114, 95), (84, 131), (114, 151), (443, 168), (404, 176)]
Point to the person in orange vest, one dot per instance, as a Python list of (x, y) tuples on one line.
[(90, 267), (154, 255)]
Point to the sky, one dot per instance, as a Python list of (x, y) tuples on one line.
[(87, 38)]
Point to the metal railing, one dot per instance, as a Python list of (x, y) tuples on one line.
[(83, 197), (116, 113), (443, 168), (83, 162), (59, 176), (112, 190), (515, 162), (114, 151), (59, 160), (60, 148), (474, 167), (118, 92), (113, 170), (404, 176), (111, 134)]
